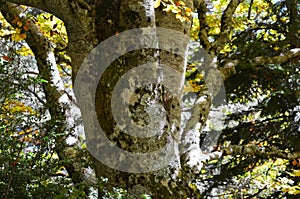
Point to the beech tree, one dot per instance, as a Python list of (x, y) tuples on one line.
[(244, 44)]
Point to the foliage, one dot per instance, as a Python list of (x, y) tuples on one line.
[(264, 101), (29, 166)]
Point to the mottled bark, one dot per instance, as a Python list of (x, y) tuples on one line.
[(90, 24), (164, 183)]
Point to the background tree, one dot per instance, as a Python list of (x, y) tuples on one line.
[(249, 42)]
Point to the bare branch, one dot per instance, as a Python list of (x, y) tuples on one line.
[(259, 151), (247, 150), (190, 139), (282, 58), (249, 11), (228, 67)]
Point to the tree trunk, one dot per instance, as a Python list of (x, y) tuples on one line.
[(151, 72), (147, 82)]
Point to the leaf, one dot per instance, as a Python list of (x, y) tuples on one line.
[(168, 8), (179, 3), (19, 23), (25, 27), (15, 37), (24, 51), (23, 36), (18, 37), (297, 173), (43, 81), (157, 3), (295, 162), (18, 30), (16, 19), (6, 58), (188, 11), (176, 10)]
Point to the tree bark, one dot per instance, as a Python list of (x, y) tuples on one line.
[(90, 23), (165, 182)]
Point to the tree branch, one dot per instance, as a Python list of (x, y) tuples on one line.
[(203, 36), (259, 151), (249, 11), (252, 150), (190, 139), (60, 8), (228, 67), (56, 98), (226, 25), (282, 58)]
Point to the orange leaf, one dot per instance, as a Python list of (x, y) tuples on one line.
[(7, 58), (295, 162), (16, 19), (23, 36), (179, 3), (25, 28)]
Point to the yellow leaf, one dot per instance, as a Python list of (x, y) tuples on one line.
[(188, 11), (276, 48), (176, 10), (188, 88), (168, 8), (16, 37), (157, 3), (178, 16), (18, 30), (286, 190), (24, 51), (297, 173), (19, 23)]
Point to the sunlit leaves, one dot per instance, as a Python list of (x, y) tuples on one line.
[(265, 96), (194, 32), (157, 3), (16, 107), (20, 31), (18, 36), (5, 27), (179, 8), (28, 164), (53, 28), (24, 51)]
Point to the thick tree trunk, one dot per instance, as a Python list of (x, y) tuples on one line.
[(89, 24), (164, 182)]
